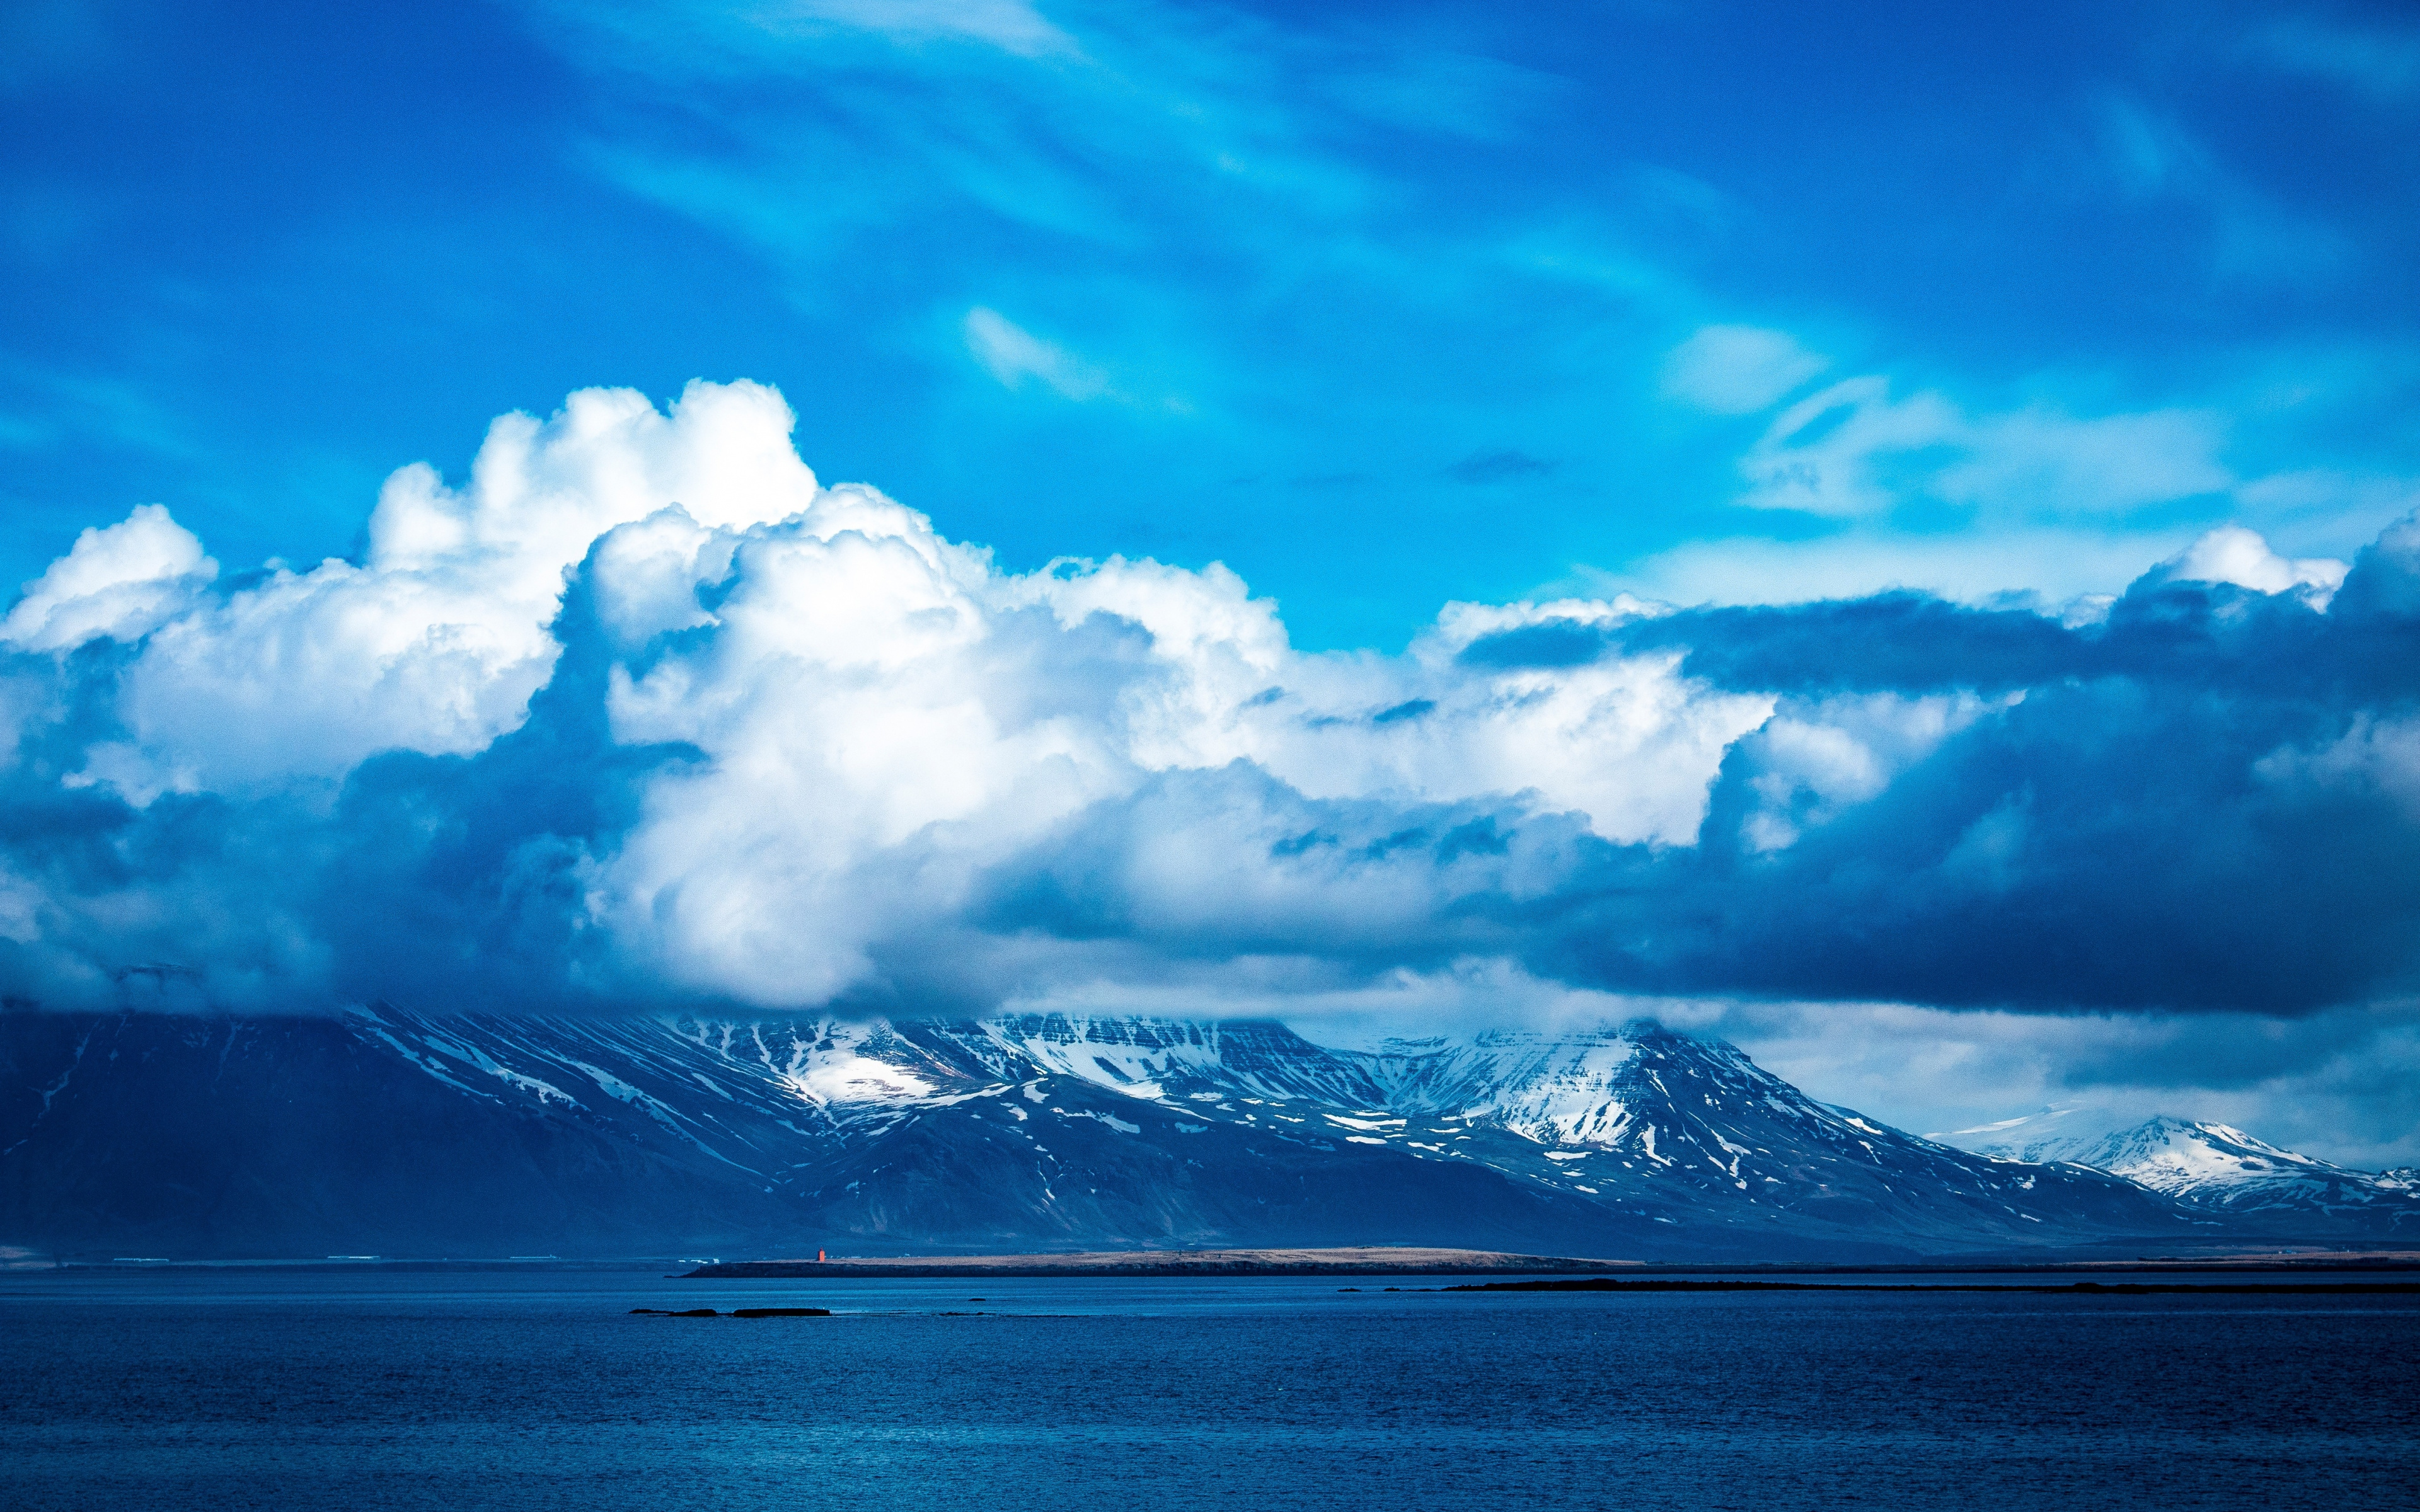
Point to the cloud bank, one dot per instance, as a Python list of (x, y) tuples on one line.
[(643, 714)]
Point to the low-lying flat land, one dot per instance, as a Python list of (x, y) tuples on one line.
[(1368, 1261), (1410, 1260)]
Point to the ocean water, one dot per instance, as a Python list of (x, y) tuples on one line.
[(364, 1389)]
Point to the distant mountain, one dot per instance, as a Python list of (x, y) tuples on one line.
[(400, 1134), (2213, 1167)]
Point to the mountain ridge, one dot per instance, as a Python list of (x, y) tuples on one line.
[(390, 1132)]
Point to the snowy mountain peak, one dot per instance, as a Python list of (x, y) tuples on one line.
[(2201, 1163), (2191, 1151), (1611, 1088), (2186, 1148)]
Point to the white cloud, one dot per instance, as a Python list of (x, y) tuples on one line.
[(1735, 370), (1812, 761), (1013, 354), (436, 640), (876, 725), (121, 580), (878, 713), (2232, 554), (871, 697), (883, 716)]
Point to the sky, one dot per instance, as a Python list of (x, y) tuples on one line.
[(1882, 536)]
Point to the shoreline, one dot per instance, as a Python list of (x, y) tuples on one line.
[(1368, 1261), (1360, 1261), (1381, 1260)]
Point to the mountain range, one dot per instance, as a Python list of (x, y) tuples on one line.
[(408, 1135)]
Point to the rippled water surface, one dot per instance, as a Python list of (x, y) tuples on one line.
[(364, 1389)]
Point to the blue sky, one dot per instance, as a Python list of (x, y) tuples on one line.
[(1889, 535), (1377, 306)]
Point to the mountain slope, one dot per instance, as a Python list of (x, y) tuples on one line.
[(150, 1135), (385, 1132)]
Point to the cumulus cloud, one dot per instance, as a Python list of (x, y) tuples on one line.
[(435, 641), (642, 711), (121, 581), (2231, 554)]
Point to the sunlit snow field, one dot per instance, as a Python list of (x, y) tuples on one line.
[(366, 1390)]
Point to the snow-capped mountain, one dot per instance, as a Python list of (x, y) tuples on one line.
[(1666, 1122), (386, 1131), (2206, 1165)]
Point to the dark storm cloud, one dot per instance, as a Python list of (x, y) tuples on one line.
[(2194, 804)]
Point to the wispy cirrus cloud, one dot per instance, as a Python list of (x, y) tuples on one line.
[(2380, 59), (1737, 370), (1013, 355), (1852, 449), (1916, 490)]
